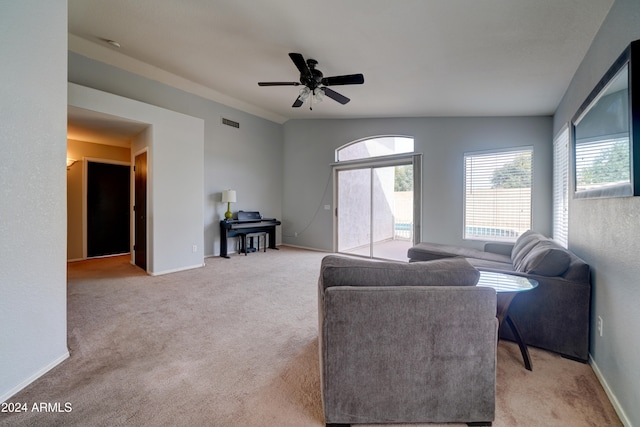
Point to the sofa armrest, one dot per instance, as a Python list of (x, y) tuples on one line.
[(554, 316), (499, 248)]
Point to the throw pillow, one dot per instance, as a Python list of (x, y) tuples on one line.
[(523, 245)]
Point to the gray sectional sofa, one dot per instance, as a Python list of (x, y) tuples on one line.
[(406, 343), (554, 316)]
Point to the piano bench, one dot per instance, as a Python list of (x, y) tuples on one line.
[(243, 241)]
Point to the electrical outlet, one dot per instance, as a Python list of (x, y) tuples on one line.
[(600, 325), (295, 234), (194, 248)]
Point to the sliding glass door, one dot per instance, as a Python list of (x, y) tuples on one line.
[(375, 209)]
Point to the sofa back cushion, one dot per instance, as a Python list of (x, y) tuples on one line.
[(545, 259), (525, 242), (343, 271)]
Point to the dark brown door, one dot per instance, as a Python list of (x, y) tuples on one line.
[(140, 209), (108, 205)]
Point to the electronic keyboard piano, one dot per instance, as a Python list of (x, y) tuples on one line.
[(247, 222)]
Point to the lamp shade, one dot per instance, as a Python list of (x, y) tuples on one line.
[(229, 196)]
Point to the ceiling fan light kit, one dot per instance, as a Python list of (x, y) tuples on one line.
[(315, 84), (314, 97)]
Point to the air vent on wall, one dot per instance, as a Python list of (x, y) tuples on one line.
[(230, 123)]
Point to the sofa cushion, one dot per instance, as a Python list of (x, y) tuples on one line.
[(523, 245), (545, 259), (483, 264), (343, 271), (432, 251)]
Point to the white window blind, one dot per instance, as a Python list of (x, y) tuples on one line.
[(561, 187), (497, 203)]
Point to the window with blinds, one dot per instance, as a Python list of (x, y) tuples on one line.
[(561, 187), (497, 194)]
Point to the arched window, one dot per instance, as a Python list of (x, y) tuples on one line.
[(374, 147)]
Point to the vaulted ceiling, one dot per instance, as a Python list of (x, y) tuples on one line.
[(419, 57)]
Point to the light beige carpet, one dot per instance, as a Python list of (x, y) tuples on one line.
[(235, 344)]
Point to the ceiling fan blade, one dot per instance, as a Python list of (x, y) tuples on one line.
[(297, 103), (278, 84), (335, 95), (349, 79), (300, 63)]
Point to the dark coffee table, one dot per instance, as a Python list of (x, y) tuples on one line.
[(507, 286)]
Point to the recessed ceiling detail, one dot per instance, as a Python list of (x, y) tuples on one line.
[(91, 126)]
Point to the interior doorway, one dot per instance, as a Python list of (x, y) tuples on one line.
[(108, 204)]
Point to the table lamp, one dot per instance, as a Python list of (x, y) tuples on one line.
[(228, 197)]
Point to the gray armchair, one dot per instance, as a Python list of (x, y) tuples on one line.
[(406, 342)]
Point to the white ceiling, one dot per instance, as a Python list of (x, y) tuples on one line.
[(419, 57)]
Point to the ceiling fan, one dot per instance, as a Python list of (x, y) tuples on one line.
[(315, 84)]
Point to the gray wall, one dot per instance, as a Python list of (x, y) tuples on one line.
[(606, 232), (248, 159), (33, 210), (309, 147), (175, 176)]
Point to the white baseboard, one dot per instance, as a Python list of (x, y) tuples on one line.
[(306, 247), (175, 270), (612, 397), (7, 395), (218, 254)]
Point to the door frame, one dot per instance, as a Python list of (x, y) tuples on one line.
[(85, 187), (414, 159)]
